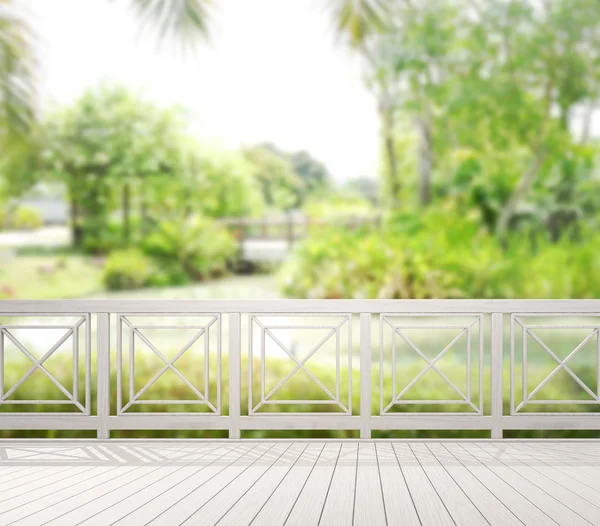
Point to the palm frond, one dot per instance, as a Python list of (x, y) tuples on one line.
[(17, 75), (185, 21), (357, 19)]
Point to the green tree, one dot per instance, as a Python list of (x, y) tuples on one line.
[(313, 173), (281, 187), (213, 183), (182, 21), (488, 90), (109, 141)]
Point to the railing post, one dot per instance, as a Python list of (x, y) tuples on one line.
[(496, 375), (103, 365), (235, 376), (365, 375)]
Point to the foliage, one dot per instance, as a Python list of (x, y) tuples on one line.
[(184, 21), (196, 245), (367, 188), (314, 175), (281, 186), (107, 141), (338, 205), (18, 88), (214, 183), (438, 255), (478, 99), (26, 218), (127, 270)]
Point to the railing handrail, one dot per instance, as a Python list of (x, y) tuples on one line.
[(303, 306)]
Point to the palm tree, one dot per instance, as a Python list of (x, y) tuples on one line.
[(17, 78), (359, 21), (183, 20)]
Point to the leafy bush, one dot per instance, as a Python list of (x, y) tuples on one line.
[(102, 236), (438, 255), (26, 218), (196, 247), (127, 269)]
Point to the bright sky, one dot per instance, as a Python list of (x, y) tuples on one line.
[(273, 71)]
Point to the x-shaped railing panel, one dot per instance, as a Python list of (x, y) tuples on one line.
[(71, 398), (464, 330), (136, 397), (527, 330), (267, 330)]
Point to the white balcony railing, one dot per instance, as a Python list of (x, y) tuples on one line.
[(232, 344)]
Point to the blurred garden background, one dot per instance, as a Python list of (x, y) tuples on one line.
[(326, 149)]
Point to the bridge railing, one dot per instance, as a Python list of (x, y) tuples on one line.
[(290, 227), (480, 352)]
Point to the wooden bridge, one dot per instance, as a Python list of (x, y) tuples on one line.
[(270, 238)]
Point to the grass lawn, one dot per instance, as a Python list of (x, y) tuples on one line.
[(49, 277)]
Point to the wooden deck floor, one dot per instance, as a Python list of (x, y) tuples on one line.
[(299, 483)]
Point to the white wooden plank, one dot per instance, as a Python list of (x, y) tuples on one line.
[(368, 505), (65, 499), (277, 509), (146, 511), (60, 501), (496, 374), (40, 482), (429, 506), (213, 510), (365, 375), (490, 506), (571, 475), (527, 512), (555, 485), (294, 306), (458, 504), (113, 505), (11, 471), (398, 502), (33, 474), (245, 510), (307, 509), (103, 373), (339, 505), (235, 377), (52, 484), (189, 503), (553, 508)]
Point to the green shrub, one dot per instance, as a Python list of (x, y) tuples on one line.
[(439, 255), (102, 237), (26, 218), (127, 269), (195, 246)]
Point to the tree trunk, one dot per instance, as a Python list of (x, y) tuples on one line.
[(587, 122), (425, 157), (519, 193), (144, 215), (76, 231), (387, 122), (125, 209)]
